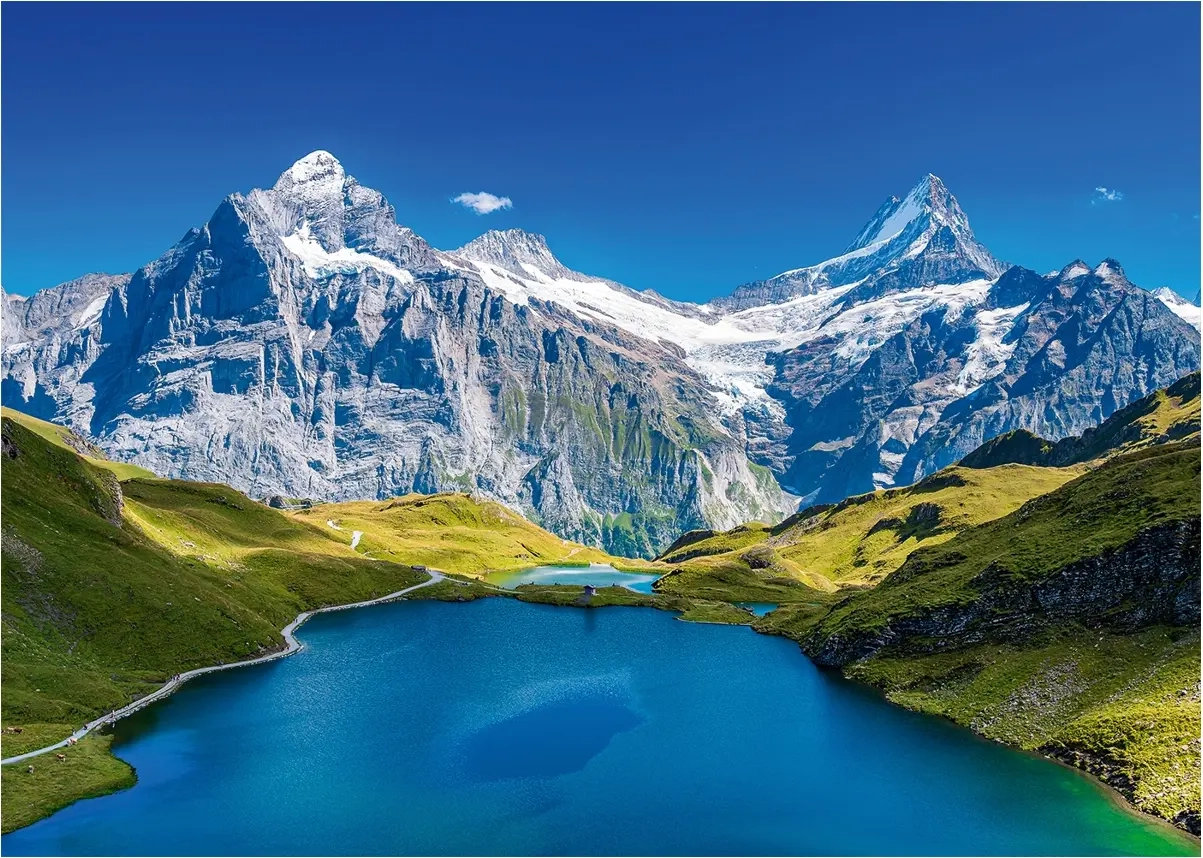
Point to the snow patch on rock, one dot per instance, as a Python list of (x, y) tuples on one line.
[(320, 263)]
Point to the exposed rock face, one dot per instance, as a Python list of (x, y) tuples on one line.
[(1123, 429), (1153, 579), (303, 343), (1053, 355)]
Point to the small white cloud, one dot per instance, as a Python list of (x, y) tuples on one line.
[(1106, 195), (483, 203)]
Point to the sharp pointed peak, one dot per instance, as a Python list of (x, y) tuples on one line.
[(927, 197), (929, 183), (1075, 269), (318, 166)]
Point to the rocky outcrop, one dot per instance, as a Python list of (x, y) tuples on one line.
[(1133, 425), (1153, 579)]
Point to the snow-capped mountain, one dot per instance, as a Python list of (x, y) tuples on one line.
[(920, 239), (304, 343), (1180, 306)]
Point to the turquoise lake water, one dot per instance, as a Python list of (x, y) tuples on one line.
[(759, 608), (597, 576), (496, 727)]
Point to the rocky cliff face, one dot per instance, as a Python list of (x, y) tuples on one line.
[(1053, 355), (303, 343), (1151, 580)]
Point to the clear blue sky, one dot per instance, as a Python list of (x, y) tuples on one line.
[(678, 147)]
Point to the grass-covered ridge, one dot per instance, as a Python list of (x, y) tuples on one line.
[(61, 436), (1168, 414), (1069, 626), (855, 543), (1091, 517), (450, 531)]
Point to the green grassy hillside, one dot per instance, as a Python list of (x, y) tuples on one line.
[(61, 436), (1091, 517), (449, 531), (857, 542), (1069, 626), (109, 588)]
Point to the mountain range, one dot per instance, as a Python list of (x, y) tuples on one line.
[(304, 344)]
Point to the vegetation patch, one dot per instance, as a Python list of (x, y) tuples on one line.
[(452, 532), (85, 770)]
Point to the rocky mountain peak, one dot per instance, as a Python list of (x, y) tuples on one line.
[(920, 239), (1075, 269), (512, 249), (927, 222), (928, 203), (320, 211), (316, 170), (1109, 268)]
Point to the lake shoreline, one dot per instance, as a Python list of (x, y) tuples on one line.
[(357, 638), (291, 647), (474, 589), (1112, 792)]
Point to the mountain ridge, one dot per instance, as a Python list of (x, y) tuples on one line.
[(304, 343)]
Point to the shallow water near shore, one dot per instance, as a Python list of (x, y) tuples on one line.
[(760, 609), (497, 727), (600, 575)]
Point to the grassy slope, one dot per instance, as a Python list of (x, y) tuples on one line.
[(88, 770), (1129, 700), (101, 603), (449, 531), (1123, 705), (1092, 515), (857, 542), (61, 436)]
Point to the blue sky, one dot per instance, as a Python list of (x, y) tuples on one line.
[(678, 147)]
